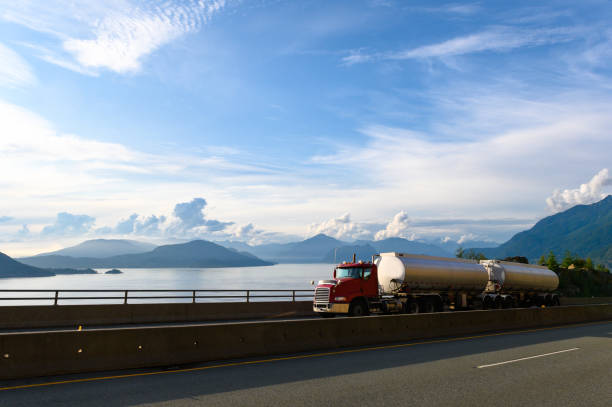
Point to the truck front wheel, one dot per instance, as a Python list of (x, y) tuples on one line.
[(358, 309)]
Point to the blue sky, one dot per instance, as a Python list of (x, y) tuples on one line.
[(275, 120)]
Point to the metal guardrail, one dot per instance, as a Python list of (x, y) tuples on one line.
[(193, 295)]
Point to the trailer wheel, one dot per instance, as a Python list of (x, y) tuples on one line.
[(412, 307), (498, 302), (428, 306), (487, 302), (555, 301), (358, 309), (509, 302)]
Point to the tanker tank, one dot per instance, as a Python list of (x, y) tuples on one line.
[(511, 276), (397, 272)]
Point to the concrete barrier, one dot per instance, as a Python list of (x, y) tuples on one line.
[(60, 352), (585, 300), (45, 316)]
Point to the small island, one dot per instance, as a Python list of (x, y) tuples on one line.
[(114, 271)]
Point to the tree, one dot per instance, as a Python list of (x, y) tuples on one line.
[(472, 255), (602, 268), (551, 262), (460, 252), (568, 260), (542, 261), (589, 264), (579, 263)]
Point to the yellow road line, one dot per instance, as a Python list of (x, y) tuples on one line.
[(313, 355)]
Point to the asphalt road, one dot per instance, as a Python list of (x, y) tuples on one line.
[(568, 366)]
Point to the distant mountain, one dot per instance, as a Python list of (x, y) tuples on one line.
[(10, 268), (365, 249), (362, 252), (197, 253), (312, 250), (585, 230), (322, 248), (400, 245), (100, 248), (238, 246)]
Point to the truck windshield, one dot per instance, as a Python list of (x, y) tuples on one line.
[(352, 272)]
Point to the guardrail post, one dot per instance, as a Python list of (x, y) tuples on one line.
[(56, 296), (125, 297), (194, 296), (248, 295), (293, 295)]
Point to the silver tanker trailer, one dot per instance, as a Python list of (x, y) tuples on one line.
[(397, 282), (515, 284)]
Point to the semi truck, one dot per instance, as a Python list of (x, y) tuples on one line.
[(407, 283)]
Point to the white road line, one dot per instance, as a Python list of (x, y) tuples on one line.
[(529, 357)]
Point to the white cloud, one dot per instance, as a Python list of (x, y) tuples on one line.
[(587, 193), (115, 35), (68, 224), (398, 227), (51, 163), (451, 8), (136, 225), (489, 149), (250, 234), (467, 238), (496, 39), (341, 228), (191, 220), (356, 57), (14, 70)]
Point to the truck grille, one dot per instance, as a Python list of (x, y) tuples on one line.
[(321, 295)]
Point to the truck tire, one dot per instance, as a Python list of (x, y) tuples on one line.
[(498, 302), (428, 306), (358, 309), (487, 302), (411, 307)]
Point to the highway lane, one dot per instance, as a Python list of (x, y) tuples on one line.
[(567, 366)]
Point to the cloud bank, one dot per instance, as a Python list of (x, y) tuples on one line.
[(123, 38), (341, 228), (115, 35), (398, 227), (190, 218), (67, 224), (587, 193)]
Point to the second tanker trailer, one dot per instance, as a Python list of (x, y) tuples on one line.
[(396, 282)]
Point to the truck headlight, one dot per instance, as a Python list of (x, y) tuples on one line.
[(340, 298)]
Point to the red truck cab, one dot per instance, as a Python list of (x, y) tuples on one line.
[(350, 292)]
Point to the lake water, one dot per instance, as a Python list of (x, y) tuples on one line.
[(276, 277)]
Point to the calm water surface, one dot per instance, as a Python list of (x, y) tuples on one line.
[(278, 277)]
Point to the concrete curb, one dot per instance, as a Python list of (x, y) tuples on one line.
[(61, 352)]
